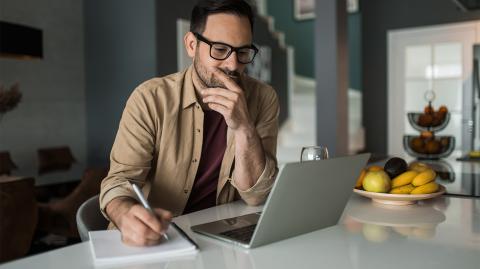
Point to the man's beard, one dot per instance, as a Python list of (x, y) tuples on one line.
[(209, 79)]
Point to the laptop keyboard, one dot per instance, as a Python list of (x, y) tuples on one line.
[(243, 234)]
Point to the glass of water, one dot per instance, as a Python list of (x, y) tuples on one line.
[(314, 153)]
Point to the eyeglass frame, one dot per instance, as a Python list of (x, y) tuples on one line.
[(232, 48)]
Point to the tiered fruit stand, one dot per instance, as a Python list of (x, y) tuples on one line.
[(428, 145)]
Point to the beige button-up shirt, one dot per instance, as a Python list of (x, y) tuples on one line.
[(159, 142)]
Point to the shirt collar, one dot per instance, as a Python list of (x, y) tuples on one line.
[(189, 95)]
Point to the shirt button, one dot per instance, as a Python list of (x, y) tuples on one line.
[(194, 161), (198, 130), (185, 191), (197, 106)]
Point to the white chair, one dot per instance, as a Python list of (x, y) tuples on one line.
[(89, 218)]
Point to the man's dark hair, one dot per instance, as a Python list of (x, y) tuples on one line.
[(203, 8)]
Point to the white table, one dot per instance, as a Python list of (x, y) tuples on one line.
[(441, 233)]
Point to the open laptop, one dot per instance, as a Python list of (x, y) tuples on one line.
[(305, 197)]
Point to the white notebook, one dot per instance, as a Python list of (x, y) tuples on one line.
[(107, 248)]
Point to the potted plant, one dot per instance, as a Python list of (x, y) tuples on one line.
[(9, 99)]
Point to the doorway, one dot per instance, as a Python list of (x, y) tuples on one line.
[(437, 58)]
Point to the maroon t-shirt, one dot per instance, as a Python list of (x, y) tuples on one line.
[(204, 191)]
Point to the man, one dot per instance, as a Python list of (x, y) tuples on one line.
[(197, 138)]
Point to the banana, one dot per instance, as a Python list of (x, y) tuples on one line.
[(404, 178), (359, 183), (418, 166), (406, 189), (474, 154), (424, 177), (430, 187)]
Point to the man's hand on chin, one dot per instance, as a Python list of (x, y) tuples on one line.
[(230, 102)]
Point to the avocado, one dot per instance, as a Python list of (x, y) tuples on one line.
[(395, 166)]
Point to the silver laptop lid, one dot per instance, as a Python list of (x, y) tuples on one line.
[(306, 197)]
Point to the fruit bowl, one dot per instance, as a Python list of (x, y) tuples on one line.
[(398, 199), (446, 145), (413, 118)]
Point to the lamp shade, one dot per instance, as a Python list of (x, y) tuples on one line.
[(19, 41)]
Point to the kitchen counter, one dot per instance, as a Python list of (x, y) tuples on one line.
[(440, 233)]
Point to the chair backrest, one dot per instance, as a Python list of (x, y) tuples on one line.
[(54, 159), (6, 163), (89, 218), (18, 216)]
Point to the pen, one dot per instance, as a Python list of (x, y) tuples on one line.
[(140, 196), (145, 204)]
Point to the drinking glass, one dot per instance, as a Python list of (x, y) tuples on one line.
[(314, 153)]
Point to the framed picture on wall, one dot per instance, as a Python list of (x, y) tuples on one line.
[(352, 6), (303, 9)]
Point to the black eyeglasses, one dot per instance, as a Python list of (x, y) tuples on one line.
[(221, 51)]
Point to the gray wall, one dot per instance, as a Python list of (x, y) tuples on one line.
[(166, 30), (52, 111), (354, 34), (120, 53), (379, 16)]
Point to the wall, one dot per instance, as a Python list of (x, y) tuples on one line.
[(120, 53), (52, 111), (166, 33), (298, 34), (354, 35), (379, 16)]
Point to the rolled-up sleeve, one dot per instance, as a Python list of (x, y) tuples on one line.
[(132, 151), (267, 129)]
